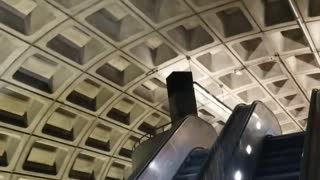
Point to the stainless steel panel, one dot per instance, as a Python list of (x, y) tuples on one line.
[(237, 149), (194, 132)]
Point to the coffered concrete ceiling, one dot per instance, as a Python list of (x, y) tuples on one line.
[(83, 80)]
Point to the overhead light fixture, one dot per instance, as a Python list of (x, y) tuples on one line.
[(238, 72)]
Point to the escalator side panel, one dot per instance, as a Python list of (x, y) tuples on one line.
[(146, 150), (246, 127), (193, 133)]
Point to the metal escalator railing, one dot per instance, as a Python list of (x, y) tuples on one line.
[(147, 136), (310, 169), (236, 151), (139, 170)]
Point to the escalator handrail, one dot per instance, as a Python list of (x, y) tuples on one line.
[(248, 111), (137, 143), (173, 129), (148, 135)]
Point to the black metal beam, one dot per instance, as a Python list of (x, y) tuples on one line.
[(182, 100), (310, 169)]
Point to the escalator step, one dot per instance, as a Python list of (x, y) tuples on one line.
[(281, 157), (191, 176), (190, 169), (192, 165), (280, 160), (294, 141), (292, 167), (199, 155), (283, 176), (195, 159), (283, 152), (193, 162), (269, 146), (294, 138)]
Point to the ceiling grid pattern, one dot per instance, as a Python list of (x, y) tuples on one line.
[(83, 80)]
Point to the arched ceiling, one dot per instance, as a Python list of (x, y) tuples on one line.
[(83, 80)]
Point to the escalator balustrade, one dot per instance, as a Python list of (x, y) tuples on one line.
[(192, 165), (272, 156)]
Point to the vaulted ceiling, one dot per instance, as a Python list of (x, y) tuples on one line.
[(83, 80)]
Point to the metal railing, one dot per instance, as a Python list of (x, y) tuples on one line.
[(173, 148), (147, 136)]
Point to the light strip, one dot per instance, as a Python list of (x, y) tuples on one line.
[(216, 101)]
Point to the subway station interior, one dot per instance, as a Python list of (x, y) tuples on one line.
[(159, 89)]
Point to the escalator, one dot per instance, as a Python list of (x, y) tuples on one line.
[(259, 151), (192, 165), (250, 147), (281, 157), (160, 157)]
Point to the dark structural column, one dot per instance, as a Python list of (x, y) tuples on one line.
[(311, 156), (182, 100)]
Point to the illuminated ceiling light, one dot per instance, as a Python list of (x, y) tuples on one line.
[(238, 72), (249, 149), (238, 175)]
